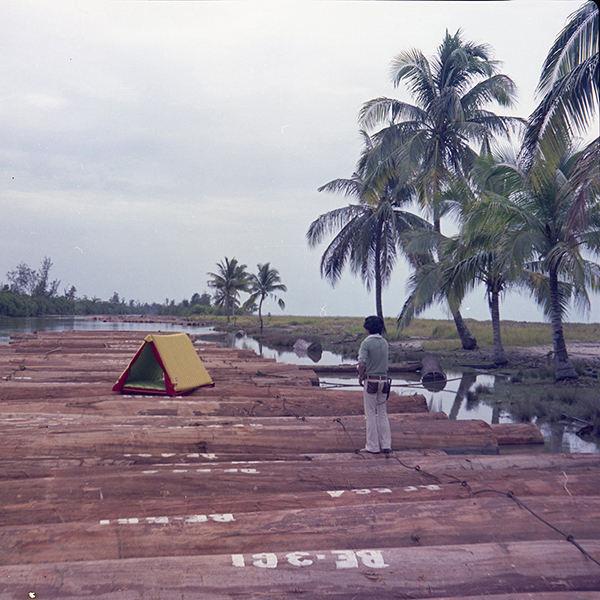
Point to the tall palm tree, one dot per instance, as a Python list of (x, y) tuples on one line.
[(431, 139), (366, 233), (229, 281), (264, 284), (568, 83)]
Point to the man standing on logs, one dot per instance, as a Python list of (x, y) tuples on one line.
[(372, 375)]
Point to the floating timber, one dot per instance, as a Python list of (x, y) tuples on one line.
[(254, 489)]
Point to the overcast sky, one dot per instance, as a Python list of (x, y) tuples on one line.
[(142, 142)]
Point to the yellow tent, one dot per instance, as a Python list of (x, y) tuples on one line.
[(164, 365)]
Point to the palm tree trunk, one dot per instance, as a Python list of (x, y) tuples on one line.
[(378, 284), (467, 340), (378, 302), (563, 368), (260, 314), (499, 354)]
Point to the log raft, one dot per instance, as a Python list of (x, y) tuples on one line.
[(253, 489)]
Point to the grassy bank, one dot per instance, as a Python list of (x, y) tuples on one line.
[(533, 395), (344, 334)]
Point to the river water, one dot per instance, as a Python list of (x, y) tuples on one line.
[(454, 399)]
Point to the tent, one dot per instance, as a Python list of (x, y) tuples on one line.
[(165, 365)]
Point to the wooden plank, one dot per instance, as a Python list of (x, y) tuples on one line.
[(409, 524), (530, 570)]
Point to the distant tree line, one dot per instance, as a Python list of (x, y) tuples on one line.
[(29, 292)]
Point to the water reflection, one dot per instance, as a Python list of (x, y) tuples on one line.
[(286, 356), (23, 325), (467, 381)]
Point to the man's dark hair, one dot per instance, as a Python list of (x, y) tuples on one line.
[(373, 324)]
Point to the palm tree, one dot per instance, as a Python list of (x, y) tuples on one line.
[(487, 237), (431, 139), (264, 284), (366, 233), (553, 234), (568, 83), (553, 191), (229, 281)]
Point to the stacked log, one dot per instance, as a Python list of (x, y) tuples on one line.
[(253, 489)]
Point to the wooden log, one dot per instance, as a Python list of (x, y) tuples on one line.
[(408, 524), (431, 370), (65, 423), (517, 433), (304, 347), (310, 435), (91, 495), (530, 570), (429, 460), (246, 402), (527, 570), (318, 466)]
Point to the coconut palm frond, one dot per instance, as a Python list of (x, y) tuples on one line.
[(568, 84)]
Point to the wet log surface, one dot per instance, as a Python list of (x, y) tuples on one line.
[(431, 369), (226, 493)]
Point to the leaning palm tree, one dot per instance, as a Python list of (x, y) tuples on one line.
[(367, 232), (461, 262), (568, 83), (229, 281), (264, 284), (486, 236), (431, 139)]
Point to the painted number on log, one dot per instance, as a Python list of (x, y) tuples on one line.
[(217, 518), (343, 559)]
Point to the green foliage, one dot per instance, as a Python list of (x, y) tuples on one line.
[(367, 232), (568, 82), (30, 293), (550, 402), (230, 279)]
